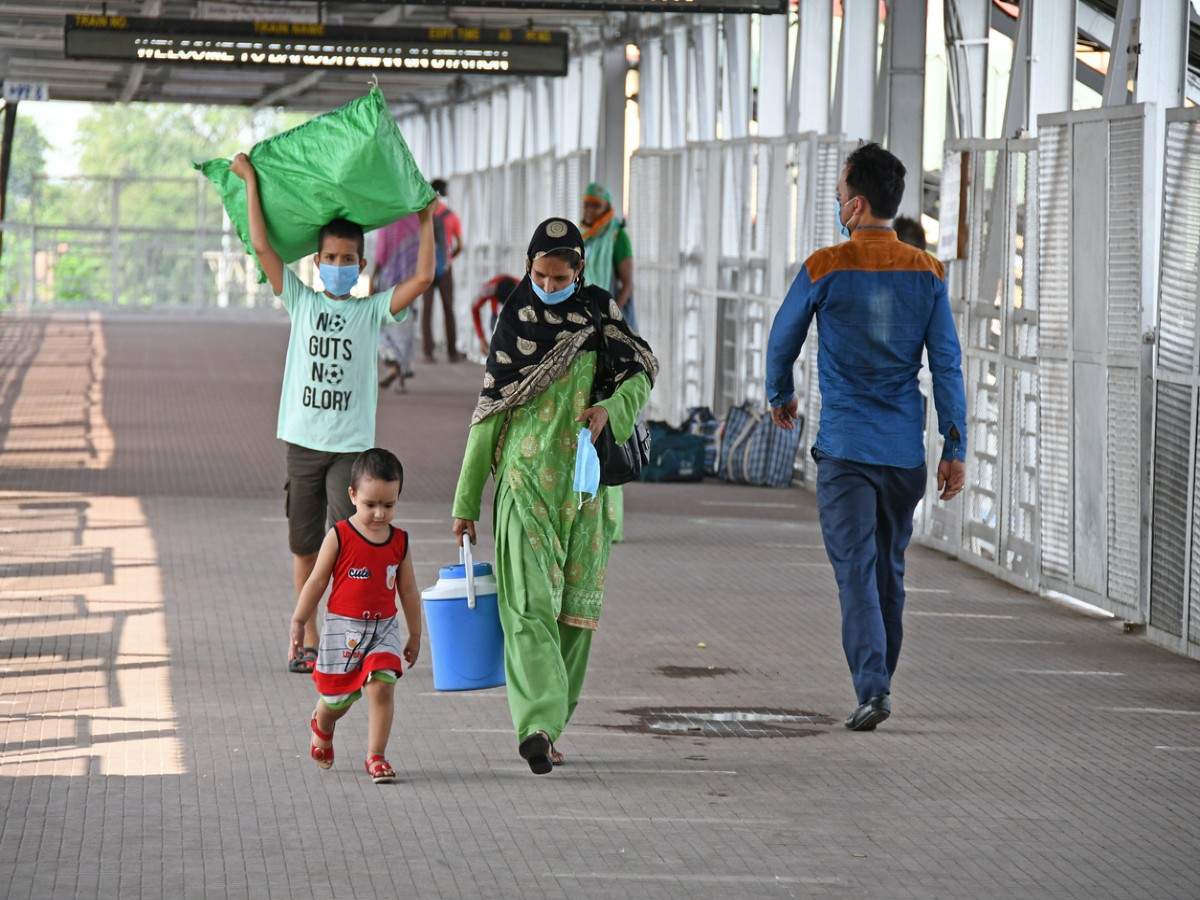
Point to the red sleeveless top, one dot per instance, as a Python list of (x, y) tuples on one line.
[(366, 575)]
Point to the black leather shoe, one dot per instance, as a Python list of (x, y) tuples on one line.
[(870, 714)]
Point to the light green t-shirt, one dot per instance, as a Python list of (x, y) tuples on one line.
[(331, 379)]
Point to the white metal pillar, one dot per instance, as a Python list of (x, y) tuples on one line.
[(735, 88), (904, 98), (702, 125), (676, 96), (858, 51), (517, 121), (1162, 64), (772, 76), (808, 93), (650, 92), (966, 26), (610, 142)]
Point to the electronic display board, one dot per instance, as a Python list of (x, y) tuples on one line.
[(313, 45), (764, 7)]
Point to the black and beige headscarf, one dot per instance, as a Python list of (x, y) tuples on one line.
[(534, 344)]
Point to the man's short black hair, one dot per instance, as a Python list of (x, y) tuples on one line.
[(874, 173), (439, 185), (376, 463), (910, 231), (342, 228)]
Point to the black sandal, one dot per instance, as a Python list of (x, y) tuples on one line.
[(535, 750), (304, 665)]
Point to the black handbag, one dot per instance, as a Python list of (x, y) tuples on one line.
[(619, 463)]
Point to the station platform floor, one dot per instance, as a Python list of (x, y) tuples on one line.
[(153, 745)]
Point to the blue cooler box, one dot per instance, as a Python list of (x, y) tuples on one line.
[(465, 636)]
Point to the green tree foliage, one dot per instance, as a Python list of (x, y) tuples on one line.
[(158, 201)]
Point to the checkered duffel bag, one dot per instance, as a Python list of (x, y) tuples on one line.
[(754, 450)]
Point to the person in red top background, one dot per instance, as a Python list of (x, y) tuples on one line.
[(360, 649), (448, 238), (495, 292)]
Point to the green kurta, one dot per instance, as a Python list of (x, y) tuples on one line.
[(551, 553)]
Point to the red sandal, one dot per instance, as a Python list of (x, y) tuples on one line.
[(380, 769), (322, 755)]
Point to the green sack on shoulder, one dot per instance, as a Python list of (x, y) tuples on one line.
[(351, 163)]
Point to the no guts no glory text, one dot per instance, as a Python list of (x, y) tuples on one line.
[(328, 355)]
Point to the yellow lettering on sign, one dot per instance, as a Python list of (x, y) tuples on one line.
[(506, 34), (537, 37), (468, 34), (299, 29), (84, 21), (440, 34)]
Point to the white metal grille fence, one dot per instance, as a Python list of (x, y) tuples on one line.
[(994, 295), (1175, 523), (125, 242), (1093, 436)]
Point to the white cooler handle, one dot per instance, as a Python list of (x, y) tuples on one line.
[(469, 563)]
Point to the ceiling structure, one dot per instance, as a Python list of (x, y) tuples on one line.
[(32, 48)]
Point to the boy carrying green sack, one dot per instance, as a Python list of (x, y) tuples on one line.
[(351, 163), (312, 180)]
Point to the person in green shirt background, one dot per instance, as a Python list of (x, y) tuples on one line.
[(609, 251), (552, 547)]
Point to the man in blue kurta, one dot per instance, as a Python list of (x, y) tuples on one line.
[(879, 304)]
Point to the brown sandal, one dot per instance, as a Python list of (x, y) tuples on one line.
[(380, 769), (322, 755)]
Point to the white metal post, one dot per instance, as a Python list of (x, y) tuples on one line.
[(905, 96), (649, 91), (703, 122), (772, 76), (966, 27), (735, 110), (610, 142), (1051, 63), (854, 96), (677, 92), (808, 93)]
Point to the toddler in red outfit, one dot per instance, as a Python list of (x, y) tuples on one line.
[(361, 648)]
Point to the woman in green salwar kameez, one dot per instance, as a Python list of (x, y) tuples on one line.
[(552, 544)]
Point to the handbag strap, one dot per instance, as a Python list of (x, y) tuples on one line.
[(601, 376)]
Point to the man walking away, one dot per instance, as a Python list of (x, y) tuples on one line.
[(878, 304)]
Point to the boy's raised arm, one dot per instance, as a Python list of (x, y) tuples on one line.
[(271, 264), (407, 292)]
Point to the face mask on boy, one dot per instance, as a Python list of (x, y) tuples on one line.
[(338, 280)]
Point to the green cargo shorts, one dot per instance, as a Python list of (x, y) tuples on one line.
[(317, 494)]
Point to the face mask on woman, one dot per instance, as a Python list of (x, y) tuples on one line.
[(552, 299)]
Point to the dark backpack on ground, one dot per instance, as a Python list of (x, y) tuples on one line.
[(702, 423)]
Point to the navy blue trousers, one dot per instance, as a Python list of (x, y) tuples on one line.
[(867, 520)]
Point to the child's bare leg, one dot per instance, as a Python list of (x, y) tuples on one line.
[(380, 706), (326, 718), (302, 567)]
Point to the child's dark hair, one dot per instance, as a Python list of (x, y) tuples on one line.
[(342, 228), (439, 185), (377, 463)]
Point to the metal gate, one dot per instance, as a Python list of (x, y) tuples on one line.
[(1095, 274), (1175, 518)]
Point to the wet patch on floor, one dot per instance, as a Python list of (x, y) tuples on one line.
[(694, 671), (726, 722)]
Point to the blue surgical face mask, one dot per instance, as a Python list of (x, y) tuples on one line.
[(557, 297), (338, 280), (587, 466), (843, 228)]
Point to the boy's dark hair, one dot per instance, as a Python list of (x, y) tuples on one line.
[(342, 228), (874, 173), (379, 464), (910, 231), (439, 185)]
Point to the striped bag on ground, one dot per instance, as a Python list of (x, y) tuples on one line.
[(754, 450)]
